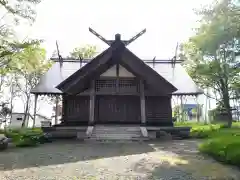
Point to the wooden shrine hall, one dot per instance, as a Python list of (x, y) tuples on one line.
[(117, 90)]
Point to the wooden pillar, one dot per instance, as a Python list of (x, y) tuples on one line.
[(35, 109), (117, 78), (142, 103), (56, 110), (92, 103), (63, 110)]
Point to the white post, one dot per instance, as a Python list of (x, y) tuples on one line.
[(56, 110), (197, 109), (181, 109), (35, 109)]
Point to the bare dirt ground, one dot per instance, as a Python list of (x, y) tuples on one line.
[(173, 160)]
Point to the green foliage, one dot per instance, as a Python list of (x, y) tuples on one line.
[(219, 24), (21, 8), (2, 131), (30, 60), (214, 114), (26, 137), (85, 52), (28, 66), (210, 53), (200, 130), (176, 111), (220, 142), (9, 50), (204, 131), (9, 45), (224, 146)]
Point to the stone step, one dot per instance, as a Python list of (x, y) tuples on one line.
[(116, 126), (112, 138), (116, 137), (116, 130), (91, 140), (116, 133), (119, 130)]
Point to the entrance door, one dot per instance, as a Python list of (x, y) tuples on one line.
[(118, 110)]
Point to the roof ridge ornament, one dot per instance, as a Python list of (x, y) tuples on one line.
[(173, 60), (117, 37), (59, 55)]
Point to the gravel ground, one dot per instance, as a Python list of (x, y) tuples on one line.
[(173, 160)]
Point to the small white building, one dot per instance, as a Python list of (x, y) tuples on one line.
[(17, 120)]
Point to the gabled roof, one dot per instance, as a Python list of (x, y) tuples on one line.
[(179, 77), (83, 73), (55, 75), (116, 53)]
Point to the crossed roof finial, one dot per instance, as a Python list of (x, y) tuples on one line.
[(117, 37)]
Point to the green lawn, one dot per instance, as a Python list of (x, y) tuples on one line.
[(221, 143)]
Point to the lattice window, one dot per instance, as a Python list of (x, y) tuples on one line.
[(128, 85), (105, 85)]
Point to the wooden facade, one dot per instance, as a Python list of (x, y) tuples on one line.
[(117, 87), (114, 88), (112, 100)]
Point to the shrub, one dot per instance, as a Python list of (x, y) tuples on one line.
[(3, 142), (200, 133), (204, 131), (2, 131), (25, 140), (224, 149), (223, 145), (26, 137)]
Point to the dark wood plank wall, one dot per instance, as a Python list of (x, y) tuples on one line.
[(158, 110), (118, 110), (76, 109), (118, 103)]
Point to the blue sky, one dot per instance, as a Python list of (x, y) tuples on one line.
[(167, 22)]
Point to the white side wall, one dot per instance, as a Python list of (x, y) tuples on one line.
[(112, 72)]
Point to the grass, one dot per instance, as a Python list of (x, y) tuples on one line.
[(223, 144)]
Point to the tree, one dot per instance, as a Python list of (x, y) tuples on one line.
[(13, 12), (85, 52), (210, 53), (20, 8), (29, 67), (9, 45), (4, 112)]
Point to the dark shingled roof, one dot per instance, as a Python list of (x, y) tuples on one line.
[(55, 75)]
